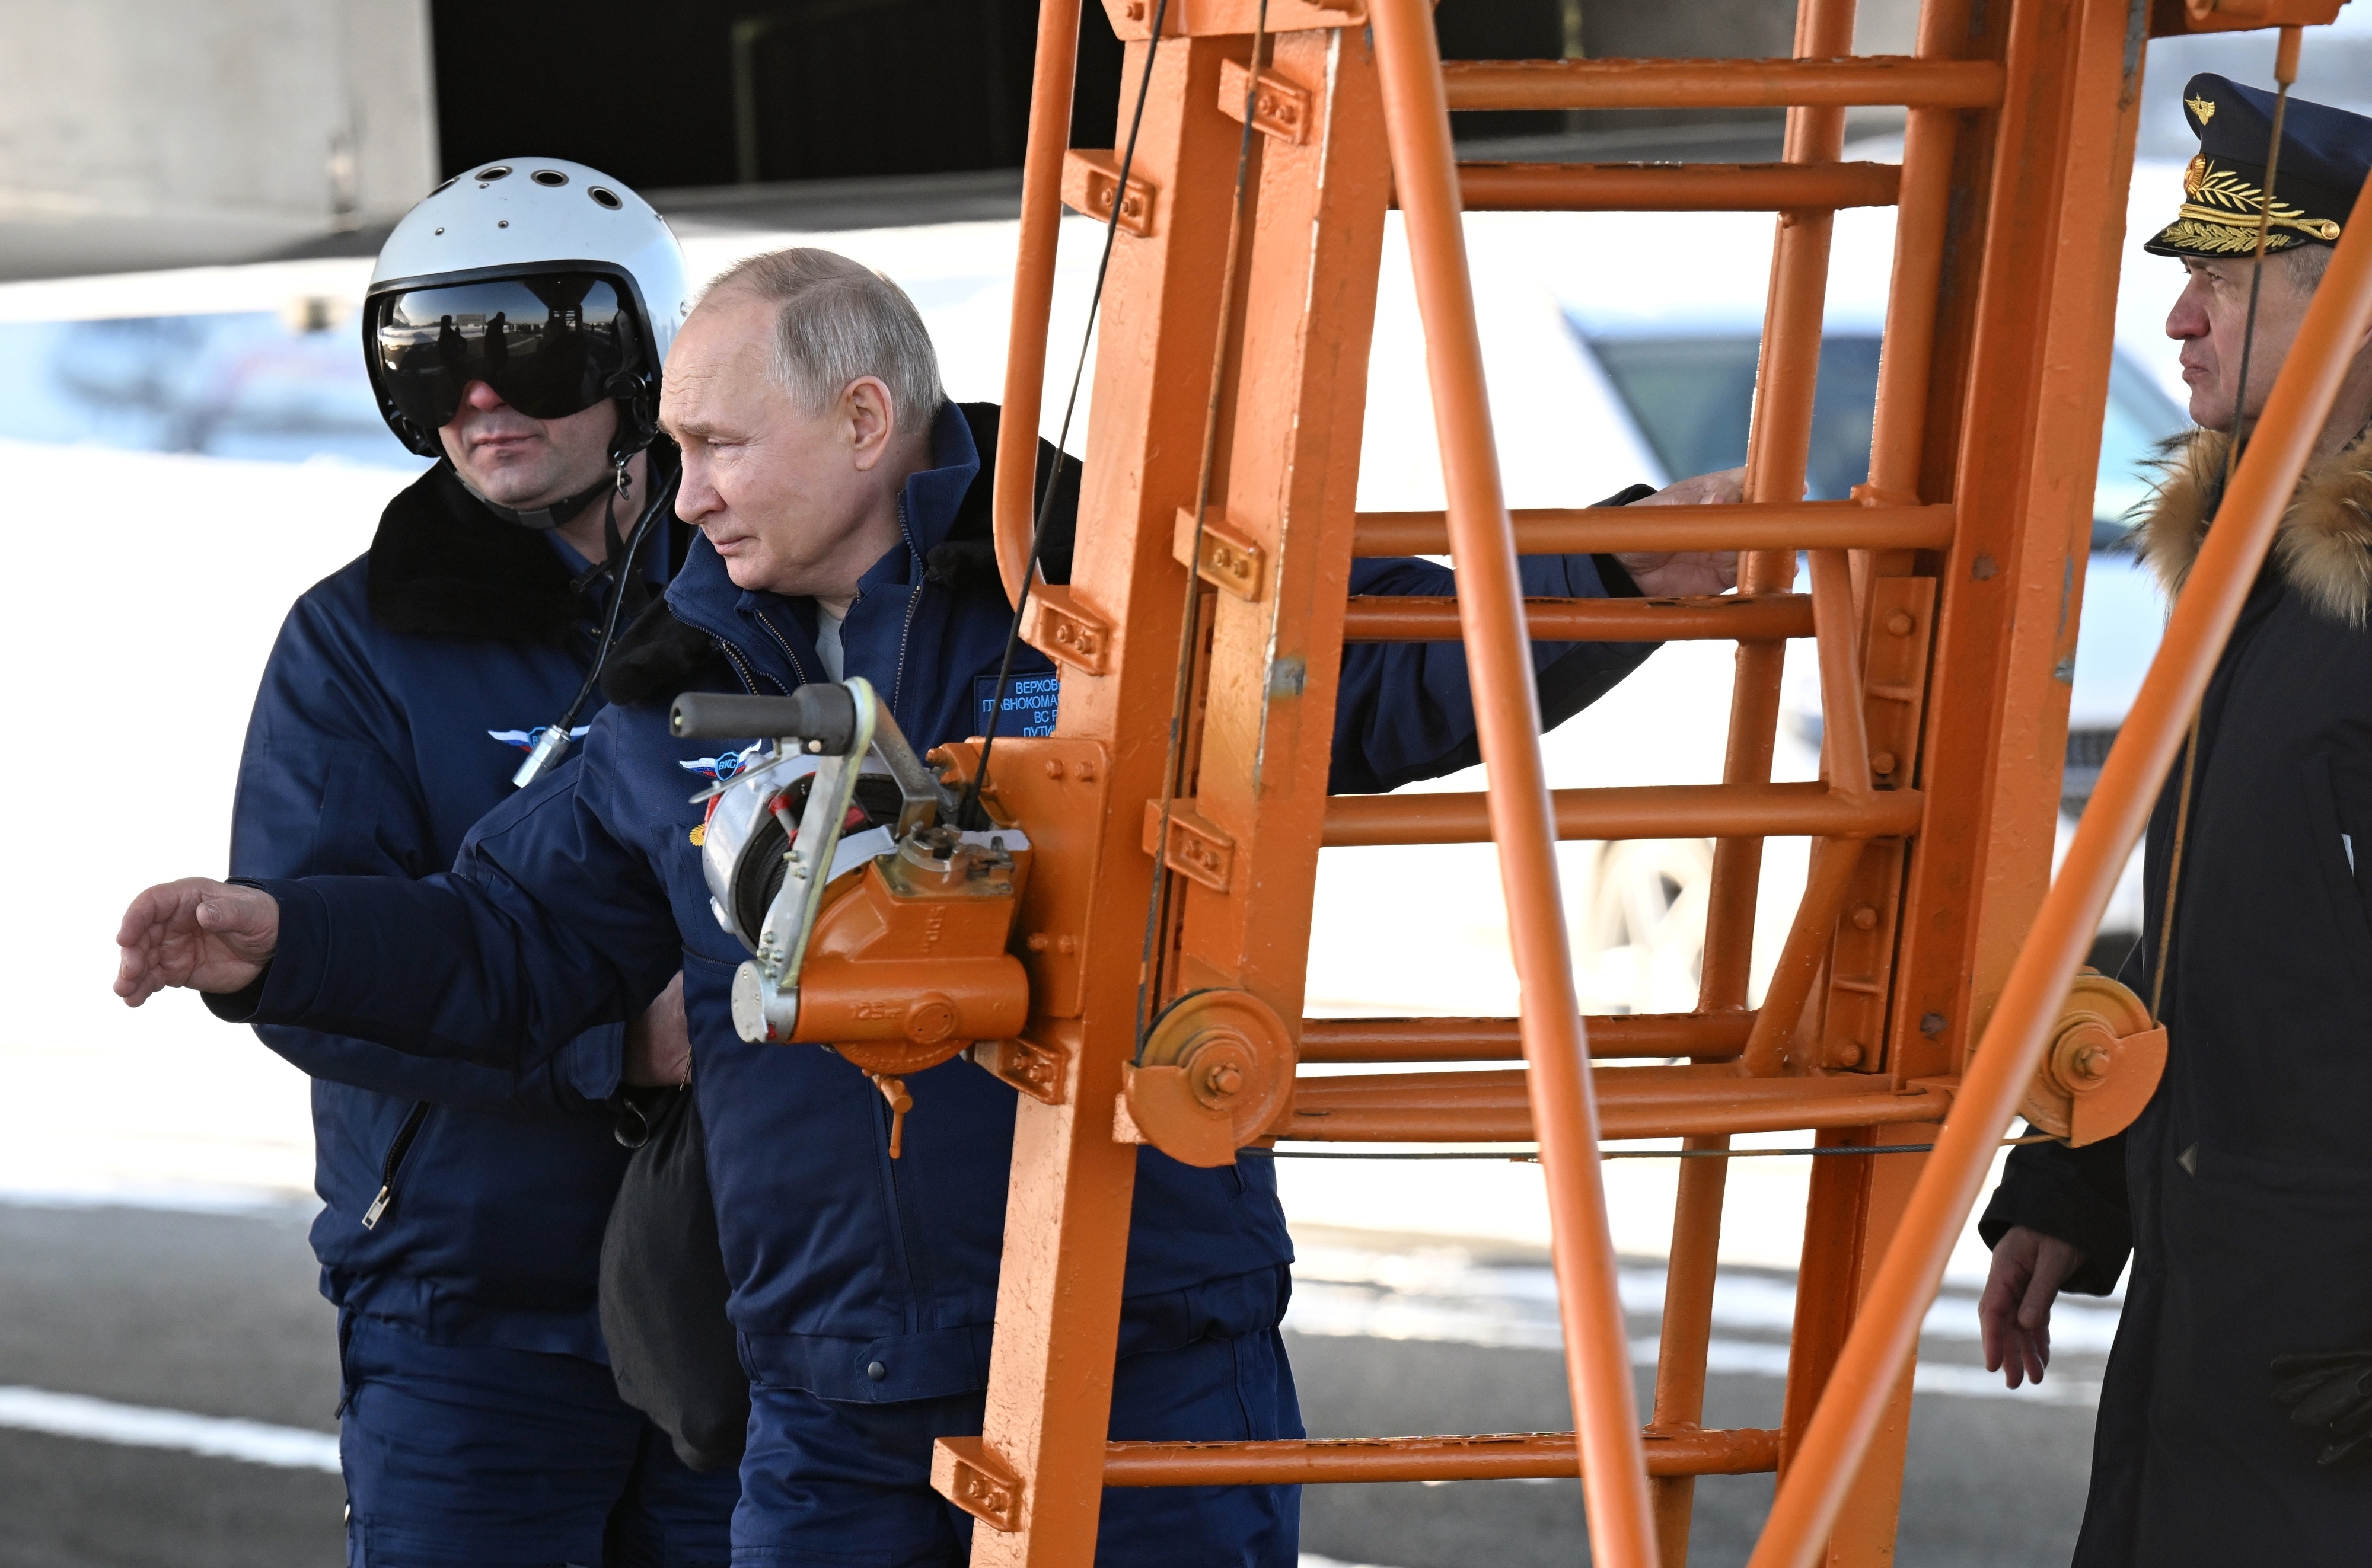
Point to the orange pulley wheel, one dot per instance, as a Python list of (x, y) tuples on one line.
[(1215, 1068), (2101, 1066)]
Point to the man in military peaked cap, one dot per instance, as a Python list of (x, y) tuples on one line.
[(2243, 1194)]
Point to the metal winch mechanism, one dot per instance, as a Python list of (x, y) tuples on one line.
[(876, 926)]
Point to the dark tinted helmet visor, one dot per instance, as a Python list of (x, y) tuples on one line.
[(550, 346)]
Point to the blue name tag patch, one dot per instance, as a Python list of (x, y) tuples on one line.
[(1030, 701)]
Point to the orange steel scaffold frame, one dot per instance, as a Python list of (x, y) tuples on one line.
[(1942, 601)]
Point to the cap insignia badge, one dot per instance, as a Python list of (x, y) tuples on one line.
[(2194, 174), (2202, 108)]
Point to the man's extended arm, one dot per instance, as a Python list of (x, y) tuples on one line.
[(320, 792), (1406, 711), (471, 964)]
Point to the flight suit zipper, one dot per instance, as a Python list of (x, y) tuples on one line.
[(405, 1136)]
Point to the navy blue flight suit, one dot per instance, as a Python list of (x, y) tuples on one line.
[(463, 1203), (864, 1289)]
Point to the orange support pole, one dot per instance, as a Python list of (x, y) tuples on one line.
[(1777, 453), (1686, 1335), (1887, 1329), (1416, 121), (1011, 507)]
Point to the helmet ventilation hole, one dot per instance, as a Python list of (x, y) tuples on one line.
[(495, 171), (605, 196), (549, 177)]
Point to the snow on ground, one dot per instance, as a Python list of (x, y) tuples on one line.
[(151, 589)]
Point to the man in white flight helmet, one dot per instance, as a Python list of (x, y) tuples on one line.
[(514, 327)]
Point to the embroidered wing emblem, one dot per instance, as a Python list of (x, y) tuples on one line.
[(525, 738), (2202, 108), (725, 764)]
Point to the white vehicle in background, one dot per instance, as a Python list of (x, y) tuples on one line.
[(1609, 362)]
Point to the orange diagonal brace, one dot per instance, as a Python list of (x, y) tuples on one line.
[(1033, 288), (1416, 121), (1887, 1329)]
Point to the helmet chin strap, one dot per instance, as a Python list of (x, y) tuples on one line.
[(545, 518), (632, 438)]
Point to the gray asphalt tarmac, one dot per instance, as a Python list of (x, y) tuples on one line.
[(217, 1314)]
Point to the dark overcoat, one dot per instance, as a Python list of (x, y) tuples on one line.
[(2244, 1192)]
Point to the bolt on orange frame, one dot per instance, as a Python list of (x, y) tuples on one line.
[(1942, 601)]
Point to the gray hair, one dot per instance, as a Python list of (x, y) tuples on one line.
[(836, 321), (2307, 263)]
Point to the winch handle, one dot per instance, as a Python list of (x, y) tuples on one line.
[(824, 716)]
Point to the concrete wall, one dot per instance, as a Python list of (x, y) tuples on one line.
[(149, 133)]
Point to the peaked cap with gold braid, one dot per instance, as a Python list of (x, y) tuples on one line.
[(2326, 153)]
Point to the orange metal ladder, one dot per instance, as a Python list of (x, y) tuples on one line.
[(1941, 603)]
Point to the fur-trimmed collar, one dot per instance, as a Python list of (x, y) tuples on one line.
[(2324, 546), (443, 565)]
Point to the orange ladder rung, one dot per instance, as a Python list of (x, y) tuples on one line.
[(1633, 1102), (1575, 531), (1647, 811), (1705, 1035), (1512, 1456), (1392, 618), (1675, 187), (1722, 84)]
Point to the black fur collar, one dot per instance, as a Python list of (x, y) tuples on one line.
[(443, 565), (657, 658), (967, 557)]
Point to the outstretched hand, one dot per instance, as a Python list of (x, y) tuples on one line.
[(2015, 1311), (197, 932), (1665, 573)]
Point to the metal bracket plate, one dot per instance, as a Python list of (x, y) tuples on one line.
[(1280, 109), (1036, 1069), (1090, 178), (967, 1474), (1062, 628), (1196, 848), (1232, 561), (1900, 621)]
